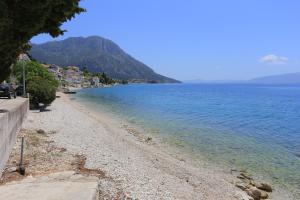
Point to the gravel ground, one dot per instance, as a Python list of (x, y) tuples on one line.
[(140, 169)]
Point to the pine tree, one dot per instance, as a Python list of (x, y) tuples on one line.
[(20, 20)]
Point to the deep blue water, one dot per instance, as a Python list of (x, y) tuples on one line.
[(245, 126)]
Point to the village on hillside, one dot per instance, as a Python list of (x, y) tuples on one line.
[(74, 77)]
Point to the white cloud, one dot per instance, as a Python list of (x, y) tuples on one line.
[(273, 59)]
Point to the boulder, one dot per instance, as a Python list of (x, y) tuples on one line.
[(264, 186), (254, 193), (252, 183), (242, 196), (41, 131), (264, 195)]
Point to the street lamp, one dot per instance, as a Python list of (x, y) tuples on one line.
[(24, 89), (22, 58)]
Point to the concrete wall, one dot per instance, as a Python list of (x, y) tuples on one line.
[(15, 112)]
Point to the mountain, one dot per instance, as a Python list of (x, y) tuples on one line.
[(284, 79), (98, 55)]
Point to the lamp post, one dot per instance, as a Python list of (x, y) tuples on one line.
[(22, 58), (24, 89)]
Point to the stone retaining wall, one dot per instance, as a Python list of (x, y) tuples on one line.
[(13, 113)]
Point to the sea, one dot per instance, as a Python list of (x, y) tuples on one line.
[(246, 127)]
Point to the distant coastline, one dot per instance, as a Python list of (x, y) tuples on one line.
[(289, 79)]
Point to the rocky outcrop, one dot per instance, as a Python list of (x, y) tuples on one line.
[(257, 191), (257, 194), (264, 186)]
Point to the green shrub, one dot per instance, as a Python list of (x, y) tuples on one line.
[(41, 91), (32, 69), (40, 83)]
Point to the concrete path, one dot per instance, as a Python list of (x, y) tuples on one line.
[(57, 186)]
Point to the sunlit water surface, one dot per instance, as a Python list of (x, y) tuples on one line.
[(244, 126)]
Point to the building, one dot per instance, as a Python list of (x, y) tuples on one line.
[(56, 71), (95, 81), (73, 76)]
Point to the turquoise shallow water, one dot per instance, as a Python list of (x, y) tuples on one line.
[(244, 126)]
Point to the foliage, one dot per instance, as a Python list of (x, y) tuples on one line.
[(41, 84), (21, 20), (41, 91), (64, 83), (104, 79), (85, 71), (87, 75), (32, 69)]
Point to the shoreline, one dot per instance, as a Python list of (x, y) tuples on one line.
[(180, 150), (142, 168), (177, 149)]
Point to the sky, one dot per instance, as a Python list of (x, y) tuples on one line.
[(198, 39)]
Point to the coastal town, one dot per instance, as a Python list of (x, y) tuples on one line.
[(74, 77)]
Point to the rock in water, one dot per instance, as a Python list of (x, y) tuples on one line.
[(246, 176), (264, 186), (264, 195), (254, 192)]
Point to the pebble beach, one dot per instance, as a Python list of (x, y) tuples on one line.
[(141, 169)]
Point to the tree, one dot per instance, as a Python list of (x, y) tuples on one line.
[(105, 79), (41, 84), (86, 73), (32, 69), (85, 70), (20, 20)]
